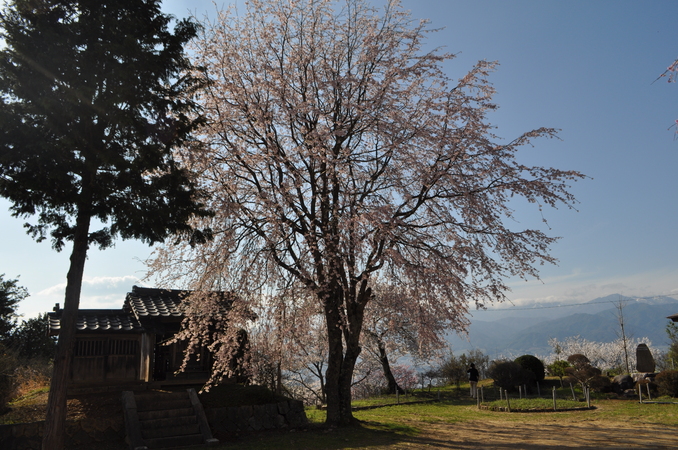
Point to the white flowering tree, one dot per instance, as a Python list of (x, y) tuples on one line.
[(390, 330), (603, 355), (338, 150), (671, 75)]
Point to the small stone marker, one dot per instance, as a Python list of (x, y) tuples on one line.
[(644, 359)]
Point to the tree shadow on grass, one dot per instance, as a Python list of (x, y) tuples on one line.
[(362, 435), (509, 436), (466, 436)]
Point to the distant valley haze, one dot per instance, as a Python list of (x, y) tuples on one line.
[(513, 331)]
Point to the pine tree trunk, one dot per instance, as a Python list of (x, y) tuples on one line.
[(55, 420)]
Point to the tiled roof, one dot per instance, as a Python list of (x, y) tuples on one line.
[(147, 302), (94, 320), (157, 309)]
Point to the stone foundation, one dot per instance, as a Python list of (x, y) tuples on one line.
[(242, 419), (84, 433), (92, 433)]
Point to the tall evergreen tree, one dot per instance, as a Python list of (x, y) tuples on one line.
[(10, 295), (31, 339), (94, 98)]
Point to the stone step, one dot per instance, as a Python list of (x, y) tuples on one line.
[(163, 401), (166, 413), (178, 431), (177, 441), (168, 422)]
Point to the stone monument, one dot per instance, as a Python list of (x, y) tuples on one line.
[(644, 359)]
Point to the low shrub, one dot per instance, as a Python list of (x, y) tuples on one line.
[(17, 376), (581, 369), (667, 383), (31, 375), (8, 364), (509, 374), (557, 369), (600, 383), (646, 384), (533, 364)]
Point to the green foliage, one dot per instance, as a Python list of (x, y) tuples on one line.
[(31, 339), (480, 360), (600, 383), (672, 331), (94, 99), (89, 131), (581, 369), (455, 367), (10, 296), (672, 354), (557, 368), (534, 404), (533, 364), (667, 383), (8, 363), (509, 374)]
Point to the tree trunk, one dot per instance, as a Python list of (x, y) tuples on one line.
[(338, 410), (55, 420), (319, 373), (341, 361), (278, 382), (386, 366)]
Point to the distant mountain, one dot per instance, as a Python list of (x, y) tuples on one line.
[(527, 331)]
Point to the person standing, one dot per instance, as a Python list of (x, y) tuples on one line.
[(473, 380)]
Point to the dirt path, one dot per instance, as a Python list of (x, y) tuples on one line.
[(531, 436)]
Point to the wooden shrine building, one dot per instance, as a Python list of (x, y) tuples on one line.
[(128, 345)]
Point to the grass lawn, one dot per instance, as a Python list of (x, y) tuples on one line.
[(454, 422), (457, 423)]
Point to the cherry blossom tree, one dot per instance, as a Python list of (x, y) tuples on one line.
[(306, 363), (390, 328), (671, 75), (338, 151), (604, 355)]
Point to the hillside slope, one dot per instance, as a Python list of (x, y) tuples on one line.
[(516, 333)]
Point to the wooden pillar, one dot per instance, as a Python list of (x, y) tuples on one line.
[(146, 350)]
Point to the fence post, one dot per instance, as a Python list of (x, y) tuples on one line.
[(482, 395), (554, 398), (520, 392), (508, 402), (525, 391)]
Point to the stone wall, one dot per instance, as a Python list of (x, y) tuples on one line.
[(85, 433), (242, 419)]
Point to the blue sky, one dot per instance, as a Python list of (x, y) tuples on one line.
[(586, 68)]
